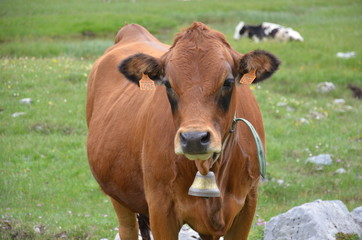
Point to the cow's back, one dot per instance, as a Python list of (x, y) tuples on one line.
[(105, 79), (116, 114)]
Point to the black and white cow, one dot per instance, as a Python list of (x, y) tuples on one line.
[(266, 31)]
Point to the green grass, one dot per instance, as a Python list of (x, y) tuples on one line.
[(46, 53)]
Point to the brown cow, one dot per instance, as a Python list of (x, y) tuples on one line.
[(145, 147)]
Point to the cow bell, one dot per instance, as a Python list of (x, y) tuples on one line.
[(204, 186)]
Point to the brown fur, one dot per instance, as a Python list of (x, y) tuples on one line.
[(133, 134)]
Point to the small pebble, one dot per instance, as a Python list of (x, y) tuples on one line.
[(26, 101)]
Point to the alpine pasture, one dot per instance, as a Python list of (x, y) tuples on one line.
[(47, 49)]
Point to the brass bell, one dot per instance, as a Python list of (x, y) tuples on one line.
[(204, 186)]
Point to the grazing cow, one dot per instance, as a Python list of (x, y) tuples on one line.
[(266, 31), (145, 146)]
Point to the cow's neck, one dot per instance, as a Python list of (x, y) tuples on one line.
[(258, 143)]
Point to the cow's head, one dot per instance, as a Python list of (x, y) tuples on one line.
[(200, 73), (240, 30)]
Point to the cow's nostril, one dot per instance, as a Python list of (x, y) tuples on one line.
[(205, 139), (183, 138)]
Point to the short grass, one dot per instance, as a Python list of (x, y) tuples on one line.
[(48, 49)]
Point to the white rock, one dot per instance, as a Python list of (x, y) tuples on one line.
[(17, 114), (325, 87), (119, 238), (317, 115), (340, 170), (39, 229), (280, 181), (322, 159), (346, 55), (290, 109), (343, 108), (26, 101), (357, 216), (312, 221), (282, 104), (186, 233), (339, 101), (302, 121)]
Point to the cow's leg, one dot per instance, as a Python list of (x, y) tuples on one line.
[(163, 221), (128, 226), (243, 221)]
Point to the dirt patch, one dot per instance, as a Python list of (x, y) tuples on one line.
[(48, 128), (13, 230)]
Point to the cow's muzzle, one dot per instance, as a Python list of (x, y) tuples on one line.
[(195, 145), (195, 142)]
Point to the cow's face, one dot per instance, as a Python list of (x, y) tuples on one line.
[(240, 31), (200, 74)]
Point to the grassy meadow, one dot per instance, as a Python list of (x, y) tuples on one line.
[(47, 49)]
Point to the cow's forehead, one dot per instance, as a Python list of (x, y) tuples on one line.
[(207, 59), (203, 71)]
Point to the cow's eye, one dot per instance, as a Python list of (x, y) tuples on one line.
[(228, 83), (171, 94), (225, 94)]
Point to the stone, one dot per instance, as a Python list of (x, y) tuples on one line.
[(340, 170), (139, 237), (282, 104), (18, 114), (302, 121), (318, 115), (26, 101), (339, 101), (325, 87), (346, 55), (312, 221), (357, 216), (322, 159), (39, 229), (186, 233), (339, 105)]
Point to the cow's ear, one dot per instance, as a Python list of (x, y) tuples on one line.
[(136, 65), (256, 66)]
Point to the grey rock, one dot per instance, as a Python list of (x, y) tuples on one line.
[(317, 115), (325, 87), (322, 159), (302, 121), (26, 101), (18, 114), (312, 221), (357, 216), (186, 233), (339, 101), (339, 105), (346, 55), (282, 104), (340, 170)]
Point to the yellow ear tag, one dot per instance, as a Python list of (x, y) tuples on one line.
[(146, 83), (248, 78)]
